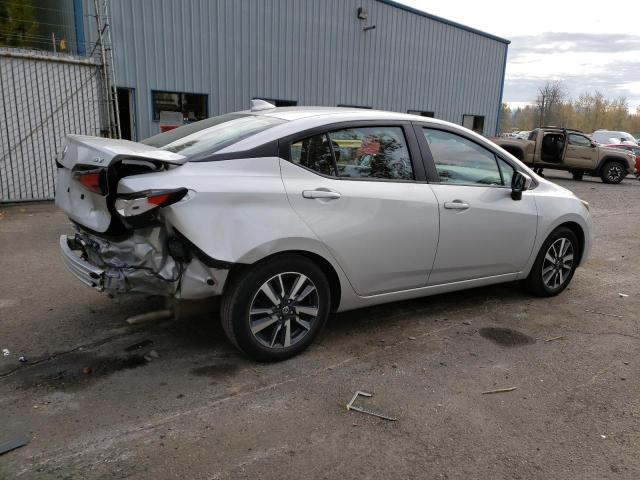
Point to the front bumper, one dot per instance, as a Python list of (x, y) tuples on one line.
[(81, 269)]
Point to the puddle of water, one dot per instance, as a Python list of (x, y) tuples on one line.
[(506, 336)]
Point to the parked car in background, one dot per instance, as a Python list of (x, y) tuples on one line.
[(524, 134), (608, 137), (571, 150), (289, 214), (635, 149)]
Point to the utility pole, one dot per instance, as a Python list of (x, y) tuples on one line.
[(108, 68)]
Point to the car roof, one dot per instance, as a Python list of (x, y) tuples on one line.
[(299, 113)]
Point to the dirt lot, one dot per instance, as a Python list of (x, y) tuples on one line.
[(95, 409)]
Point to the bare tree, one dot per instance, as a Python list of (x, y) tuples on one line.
[(548, 103)]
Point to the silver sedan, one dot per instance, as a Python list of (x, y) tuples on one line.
[(290, 214)]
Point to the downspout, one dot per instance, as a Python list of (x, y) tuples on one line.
[(78, 21), (504, 71)]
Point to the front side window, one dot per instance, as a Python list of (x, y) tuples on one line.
[(460, 161), (192, 106), (359, 152), (579, 140)]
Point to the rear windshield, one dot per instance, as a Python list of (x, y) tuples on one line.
[(213, 134)]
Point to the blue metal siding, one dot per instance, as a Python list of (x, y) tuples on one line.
[(313, 52)]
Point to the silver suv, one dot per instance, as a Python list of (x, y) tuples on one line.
[(292, 213)]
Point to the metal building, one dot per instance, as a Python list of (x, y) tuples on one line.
[(208, 57)]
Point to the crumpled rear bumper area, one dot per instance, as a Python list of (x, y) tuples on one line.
[(140, 263)]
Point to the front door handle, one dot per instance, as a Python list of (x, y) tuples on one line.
[(328, 194), (456, 205)]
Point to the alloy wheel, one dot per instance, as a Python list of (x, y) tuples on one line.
[(557, 264), (615, 173), (284, 310)]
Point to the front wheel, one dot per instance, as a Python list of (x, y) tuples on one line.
[(555, 264), (275, 309), (613, 172)]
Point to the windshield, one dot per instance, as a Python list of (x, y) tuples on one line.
[(213, 134)]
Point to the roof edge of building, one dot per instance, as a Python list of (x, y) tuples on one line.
[(407, 8)]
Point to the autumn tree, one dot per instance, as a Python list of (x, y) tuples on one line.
[(17, 24)]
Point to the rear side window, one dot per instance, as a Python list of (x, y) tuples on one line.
[(213, 134), (460, 161), (359, 152), (315, 154)]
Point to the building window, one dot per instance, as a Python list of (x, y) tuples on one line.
[(420, 113), (193, 106), (278, 103), (353, 106), (473, 122)]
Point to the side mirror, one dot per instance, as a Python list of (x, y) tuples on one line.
[(594, 144), (519, 183)]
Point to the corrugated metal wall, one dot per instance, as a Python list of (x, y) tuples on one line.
[(314, 52)]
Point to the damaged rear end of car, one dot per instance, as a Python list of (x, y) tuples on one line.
[(123, 242)]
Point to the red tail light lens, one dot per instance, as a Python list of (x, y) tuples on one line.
[(142, 202), (92, 180)]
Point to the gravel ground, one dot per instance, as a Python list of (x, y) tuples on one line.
[(94, 408)]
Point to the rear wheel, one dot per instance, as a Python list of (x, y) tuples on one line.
[(555, 264), (613, 172), (275, 309)]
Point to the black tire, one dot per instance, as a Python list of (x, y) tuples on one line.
[(245, 290), (613, 172), (577, 175), (535, 283)]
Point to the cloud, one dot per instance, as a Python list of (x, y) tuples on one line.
[(584, 62), (554, 42)]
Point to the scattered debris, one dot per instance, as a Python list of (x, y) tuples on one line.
[(152, 354), (605, 314), (623, 295), (13, 444), (87, 370), (138, 346), (499, 390), (466, 322), (22, 359), (350, 406), (552, 339), (6, 352), (626, 363), (157, 315), (412, 338), (603, 436)]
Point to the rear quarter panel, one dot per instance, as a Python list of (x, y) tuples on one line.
[(237, 211)]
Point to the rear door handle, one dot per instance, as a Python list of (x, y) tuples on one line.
[(456, 205), (328, 194)]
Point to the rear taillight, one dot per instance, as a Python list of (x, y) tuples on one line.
[(92, 180), (135, 204)]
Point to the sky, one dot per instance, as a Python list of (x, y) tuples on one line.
[(587, 45)]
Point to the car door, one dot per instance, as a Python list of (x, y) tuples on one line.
[(483, 231), (358, 189), (580, 152)]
